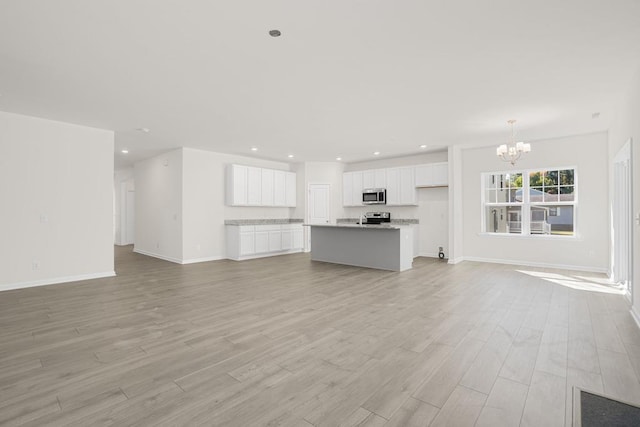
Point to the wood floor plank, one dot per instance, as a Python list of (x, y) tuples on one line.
[(504, 405), (290, 342), (436, 390), (462, 408), (619, 378), (545, 404), (413, 413), (521, 360)]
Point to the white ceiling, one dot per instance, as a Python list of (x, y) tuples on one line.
[(347, 77)]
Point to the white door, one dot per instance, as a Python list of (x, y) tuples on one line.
[(319, 203), (318, 208), (130, 221), (623, 218)]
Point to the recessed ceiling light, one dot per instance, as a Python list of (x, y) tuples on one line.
[(124, 151), (595, 115), (290, 156), (275, 33), (145, 130), (254, 148), (376, 153), (338, 158), (423, 146)]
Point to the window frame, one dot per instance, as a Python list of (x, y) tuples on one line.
[(525, 205)]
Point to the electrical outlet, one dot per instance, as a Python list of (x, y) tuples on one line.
[(35, 265), (157, 245), (44, 219), (198, 247)]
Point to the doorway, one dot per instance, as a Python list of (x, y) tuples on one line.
[(622, 265)]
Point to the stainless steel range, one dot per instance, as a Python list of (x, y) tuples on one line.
[(377, 218)]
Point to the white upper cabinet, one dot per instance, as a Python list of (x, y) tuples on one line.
[(432, 175), (358, 186), (368, 179), (393, 186), (401, 189), (290, 189), (236, 185), (408, 193), (352, 185), (375, 178), (347, 189), (380, 178), (267, 187), (280, 192), (253, 186)]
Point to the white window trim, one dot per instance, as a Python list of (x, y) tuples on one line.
[(526, 205)]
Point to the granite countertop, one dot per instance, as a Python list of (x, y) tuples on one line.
[(399, 221), (262, 221), (363, 226)]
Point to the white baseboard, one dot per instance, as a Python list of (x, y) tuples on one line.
[(635, 315), (151, 254), (432, 255), (455, 260), (195, 260), (537, 264), (56, 280)]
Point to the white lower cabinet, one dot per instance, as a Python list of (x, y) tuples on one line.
[(247, 243), (254, 241), (262, 241)]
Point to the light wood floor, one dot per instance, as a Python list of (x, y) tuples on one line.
[(287, 341)]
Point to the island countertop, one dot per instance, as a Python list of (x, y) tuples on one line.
[(361, 226)]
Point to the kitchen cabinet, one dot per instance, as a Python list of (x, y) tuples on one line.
[(352, 185), (261, 241), (347, 189), (374, 178), (401, 189), (267, 186), (408, 193), (253, 186), (255, 241), (292, 237), (432, 175), (237, 185), (279, 190), (290, 189), (357, 188), (247, 241)]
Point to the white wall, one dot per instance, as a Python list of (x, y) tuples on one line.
[(159, 206), (589, 250), (418, 159), (56, 182), (627, 125)]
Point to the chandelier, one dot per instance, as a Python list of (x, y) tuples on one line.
[(511, 152)]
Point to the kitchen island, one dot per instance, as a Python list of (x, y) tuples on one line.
[(386, 247)]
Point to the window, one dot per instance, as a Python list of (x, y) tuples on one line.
[(530, 202)]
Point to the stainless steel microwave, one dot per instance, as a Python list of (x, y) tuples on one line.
[(374, 196)]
